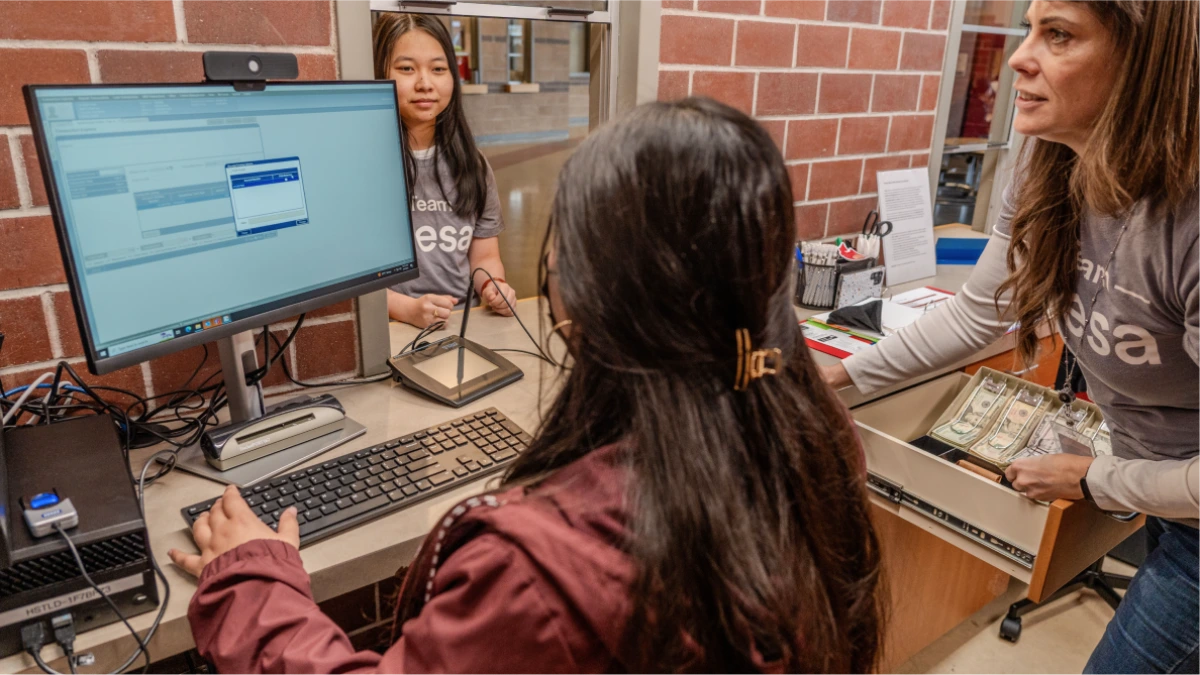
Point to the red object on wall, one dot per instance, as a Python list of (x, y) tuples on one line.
[(464, 68)]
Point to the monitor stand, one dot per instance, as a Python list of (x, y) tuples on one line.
[(260, 441)]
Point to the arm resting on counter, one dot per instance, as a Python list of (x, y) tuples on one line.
[(951, 332)]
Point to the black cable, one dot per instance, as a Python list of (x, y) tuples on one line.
[(142, 648), (522, 351), (258, 374), (514, 313)]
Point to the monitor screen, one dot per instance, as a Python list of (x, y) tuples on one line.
[(192, 212)]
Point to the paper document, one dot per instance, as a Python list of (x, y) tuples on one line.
[(925, 298), (832, 342), (909, 252)]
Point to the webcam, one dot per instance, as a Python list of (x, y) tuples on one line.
[(235, 67)]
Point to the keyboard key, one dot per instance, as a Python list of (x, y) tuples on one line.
[(270, 495), (286, 490), (259, 489), (303, 483), (472, 466), (405, 440), (436, 449), (303, 494), (362, 453), (444, 427), (331, 464), (344, 514), (474, 436), (390, 464), (286, 501), (419, 435), (194, 511), (460, 472), (419, 454), (387, 475), (332, 475), (373, 492), (388, 486), (358, 497), (409, 490), (344, 492), (327, 509), (389, 456), (270, 506), (312, 502), (449, 445), (300, 519), (311, 515), (429, 442), (333, 484), (347, 480), (347, 469), (439, 437), (358, 486), (361, 465), (441, 478), (392, 443), (424, 485), (318, 490), (313, 470), (395, 495), (377, 459), (461, 440), (420, 464), (425, 473), (373, 481), (376, 470), (343, 503), (503, 455), (346, 460), (254, 500), (279, 481), (246, 492), (485, 462), (328, 497)]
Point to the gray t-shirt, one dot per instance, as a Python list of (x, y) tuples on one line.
[(443, 237), (1139, 356)]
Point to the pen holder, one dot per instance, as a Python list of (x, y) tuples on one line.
[(816, 286)]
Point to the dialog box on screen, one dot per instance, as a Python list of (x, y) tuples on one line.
[(267, 194)]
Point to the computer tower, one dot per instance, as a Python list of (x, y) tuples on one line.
[(80, 459)]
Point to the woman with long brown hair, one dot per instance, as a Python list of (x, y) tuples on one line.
[(695, 499), (1098, 235)]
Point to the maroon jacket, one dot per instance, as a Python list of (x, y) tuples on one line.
[(532, 583)]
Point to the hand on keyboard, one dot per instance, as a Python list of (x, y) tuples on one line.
[(229, 524)]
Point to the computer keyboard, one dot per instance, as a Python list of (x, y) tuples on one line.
[(363, 485)]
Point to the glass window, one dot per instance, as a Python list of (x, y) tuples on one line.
[(519, 42), (594, 5), (527, 95), (995, 13), (980, 102)]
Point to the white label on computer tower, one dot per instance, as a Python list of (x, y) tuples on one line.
[(68, 600)]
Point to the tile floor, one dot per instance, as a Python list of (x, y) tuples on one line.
[(1054, 639)]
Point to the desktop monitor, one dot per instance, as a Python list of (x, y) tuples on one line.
[(191, 212)]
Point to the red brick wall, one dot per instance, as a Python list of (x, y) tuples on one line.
[(846, 87), (80, 41)]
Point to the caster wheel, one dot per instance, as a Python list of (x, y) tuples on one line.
[(1010, 629)]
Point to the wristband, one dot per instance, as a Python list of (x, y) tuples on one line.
[(489, 280), (1087, 494)]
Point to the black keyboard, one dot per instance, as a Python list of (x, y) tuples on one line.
[(363, 485)]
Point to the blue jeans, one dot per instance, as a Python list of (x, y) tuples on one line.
[(1156, 628)]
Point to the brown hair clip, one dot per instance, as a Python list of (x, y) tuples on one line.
[(753, 364)]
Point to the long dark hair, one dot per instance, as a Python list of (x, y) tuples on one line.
[(749, 519), (1143, 149), (452, 135)]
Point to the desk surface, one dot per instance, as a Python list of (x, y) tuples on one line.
[(376, 550)]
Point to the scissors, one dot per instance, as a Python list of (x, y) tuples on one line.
[(875, 227)]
